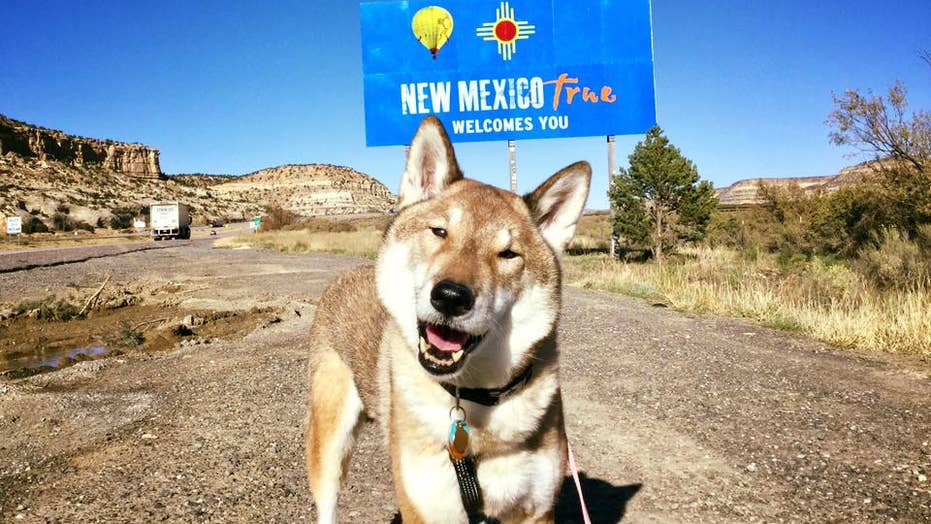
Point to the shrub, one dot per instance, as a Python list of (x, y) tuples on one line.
[(83, 226), (48, 309), (121, 219), (790, 221), (62, 222), (63, 209), (734, 229), (320, 225), (276, 217), (895, 261), (34, 224), (128, 336)]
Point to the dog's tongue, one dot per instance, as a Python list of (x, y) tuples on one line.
[(446, 339)]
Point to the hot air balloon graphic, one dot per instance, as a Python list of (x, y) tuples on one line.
[(432, 26)]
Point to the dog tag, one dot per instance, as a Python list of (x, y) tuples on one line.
[(459, 439)]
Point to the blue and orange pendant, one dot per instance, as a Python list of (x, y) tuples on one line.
[(459, 439)]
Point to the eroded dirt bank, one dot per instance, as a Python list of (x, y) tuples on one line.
[(674, 419)]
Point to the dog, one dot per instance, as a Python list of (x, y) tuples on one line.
[(449, 341)]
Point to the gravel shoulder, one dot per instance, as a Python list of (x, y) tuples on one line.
[(673, 418)]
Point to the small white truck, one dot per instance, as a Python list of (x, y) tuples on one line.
[(170, 220)]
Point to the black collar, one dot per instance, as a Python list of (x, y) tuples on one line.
[(491, 397)]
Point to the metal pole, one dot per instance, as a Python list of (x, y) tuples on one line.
[(612, 165), (512, 163)]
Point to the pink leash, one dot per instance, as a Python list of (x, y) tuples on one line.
[(578, 484)]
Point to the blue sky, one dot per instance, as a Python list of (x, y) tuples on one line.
[(743, 88)]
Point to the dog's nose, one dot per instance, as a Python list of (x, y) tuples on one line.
[(451, 298)]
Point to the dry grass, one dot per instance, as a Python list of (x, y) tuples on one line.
[(592, 234), (362, 236), (361, 243), (40, 240), (827, 302), (347, 236), (343, 224)]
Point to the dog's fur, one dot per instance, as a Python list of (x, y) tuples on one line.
[(366, 341)]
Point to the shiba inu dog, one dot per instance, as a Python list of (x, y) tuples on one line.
[(450, 342)]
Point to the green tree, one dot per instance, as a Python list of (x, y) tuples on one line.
[(659, 201)]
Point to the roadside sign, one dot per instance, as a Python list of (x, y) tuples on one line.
[(139, 224), (507, 70), (256, 223), (14, 225)]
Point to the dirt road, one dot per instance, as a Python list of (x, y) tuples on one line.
[(673, 418)]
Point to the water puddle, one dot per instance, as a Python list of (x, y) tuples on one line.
[(31, 346), (24, 365)]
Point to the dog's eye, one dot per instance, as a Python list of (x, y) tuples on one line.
[(438, 231), (507, 254)]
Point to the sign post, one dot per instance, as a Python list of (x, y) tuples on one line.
[(512, 164), (612, 166)]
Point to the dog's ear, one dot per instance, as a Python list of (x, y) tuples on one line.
[(431, 164), (557, 204)]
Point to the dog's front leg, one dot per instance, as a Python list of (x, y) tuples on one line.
[(335, 416)]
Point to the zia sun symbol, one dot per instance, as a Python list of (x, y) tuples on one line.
[(506, 30)]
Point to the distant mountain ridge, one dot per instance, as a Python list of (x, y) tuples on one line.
[(744, 193), (44, 172)]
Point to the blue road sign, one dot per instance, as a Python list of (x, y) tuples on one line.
[(507, 70)]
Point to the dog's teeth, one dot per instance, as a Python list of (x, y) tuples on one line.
[(457, 356), (424, 346)]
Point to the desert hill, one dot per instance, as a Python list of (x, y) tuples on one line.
[(201, 179), (93, 195), (45, 172), (746, 192), (311, 190)]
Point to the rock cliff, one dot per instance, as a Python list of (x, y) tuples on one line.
[(32, 142)]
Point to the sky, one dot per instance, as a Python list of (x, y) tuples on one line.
[(743, 88)]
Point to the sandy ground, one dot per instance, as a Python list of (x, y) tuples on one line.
[(673, 418)]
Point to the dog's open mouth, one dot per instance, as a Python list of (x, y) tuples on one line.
[(443, 349)]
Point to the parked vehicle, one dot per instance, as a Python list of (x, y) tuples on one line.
[(170, 220)]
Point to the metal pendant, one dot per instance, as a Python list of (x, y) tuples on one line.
[(459, 439)]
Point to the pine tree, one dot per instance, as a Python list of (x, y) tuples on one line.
[(659, 201)]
